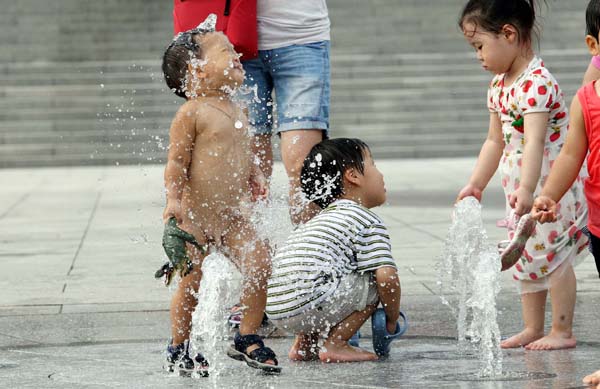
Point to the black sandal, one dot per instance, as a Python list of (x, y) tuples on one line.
[(255, 358)]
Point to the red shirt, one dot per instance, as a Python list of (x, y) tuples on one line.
[(590, 105)]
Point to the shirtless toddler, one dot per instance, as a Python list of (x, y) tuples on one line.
[(210, 179)]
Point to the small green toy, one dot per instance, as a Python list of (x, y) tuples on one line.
[(174, 240)]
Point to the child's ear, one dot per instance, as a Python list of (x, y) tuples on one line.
[(592, 44), (199, 73), (351, 176), (510, 33)]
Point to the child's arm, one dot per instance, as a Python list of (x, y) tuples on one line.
[(565, 168), (388, 289), (535, 126), (487, 163), (181, 142)]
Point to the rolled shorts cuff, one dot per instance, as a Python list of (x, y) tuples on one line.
[(303, 125)]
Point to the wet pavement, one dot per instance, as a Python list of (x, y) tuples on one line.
[(79, 306)]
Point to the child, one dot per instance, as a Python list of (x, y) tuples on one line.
[(331, 272), (583, 137), (528, 125), (209, 176)]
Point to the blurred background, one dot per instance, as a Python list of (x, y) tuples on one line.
[(81, 81)]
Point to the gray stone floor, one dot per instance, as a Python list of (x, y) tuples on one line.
[(79, 306)]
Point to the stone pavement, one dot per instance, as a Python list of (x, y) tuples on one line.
[(79, 306)]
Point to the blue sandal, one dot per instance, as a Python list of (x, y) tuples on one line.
[(381, 338), (255, 358)]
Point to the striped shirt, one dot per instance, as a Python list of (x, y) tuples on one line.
[(345, 237)]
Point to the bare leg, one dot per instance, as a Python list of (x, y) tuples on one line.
[(562, 296), (305, 347), (336, 347), (254, 260), (184, 300), (295, 146), (388, 289), (593, 379), (263, 149), (533, 308)]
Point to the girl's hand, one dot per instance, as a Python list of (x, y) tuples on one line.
[(259, 188), (544, 209), (470, 190), (173, 209), (521, 201)]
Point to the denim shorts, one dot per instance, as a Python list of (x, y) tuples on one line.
[(300, 77)]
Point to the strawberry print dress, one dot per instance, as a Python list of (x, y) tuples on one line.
[(536, 90)]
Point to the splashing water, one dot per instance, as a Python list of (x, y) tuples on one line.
[(470, 274), (210, 332)]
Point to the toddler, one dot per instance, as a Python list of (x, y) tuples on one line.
[(330, 274), (210, 177), (527, 128)]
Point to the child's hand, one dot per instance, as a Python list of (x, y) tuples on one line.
[(173, 209), (521, 201), (470, 190), (544, 209), (259, 188)]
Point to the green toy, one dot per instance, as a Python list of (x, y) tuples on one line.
[(174, 240)]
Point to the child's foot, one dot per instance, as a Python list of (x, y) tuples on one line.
[(178, 359), (553, 341), (592, 379), (343, 352), (304, 349), (521, 339)]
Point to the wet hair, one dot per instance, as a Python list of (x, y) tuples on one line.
[(176, 58), (322, 173), (491, 15), (592, 18)]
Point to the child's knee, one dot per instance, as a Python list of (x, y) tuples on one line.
[(258, 263)]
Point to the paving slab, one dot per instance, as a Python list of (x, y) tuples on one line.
[(79, 306)]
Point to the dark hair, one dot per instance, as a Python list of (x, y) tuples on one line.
[(176, 58), (592, 18), (324, 167), (491, 15)]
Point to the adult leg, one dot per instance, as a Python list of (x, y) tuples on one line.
[(336, 348), (262, 148), (533, 309), (184, 299), (295, 146), (563, 285), (260, 112), (301, 79)]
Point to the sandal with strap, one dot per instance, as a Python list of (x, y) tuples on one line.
[(255, 358)]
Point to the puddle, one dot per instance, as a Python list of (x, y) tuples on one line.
[(8, 365), (505, 376), (444, 355)]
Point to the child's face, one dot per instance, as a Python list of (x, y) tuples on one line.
[(222, 64), (373, 184), (496, 52)]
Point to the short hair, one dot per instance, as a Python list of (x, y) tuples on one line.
[(322, 173), (176, 58), (592, 18)]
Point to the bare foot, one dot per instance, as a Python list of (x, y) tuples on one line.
[(343, 352), (304, 349), (593, 379), (521, 339), (553, 341)]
